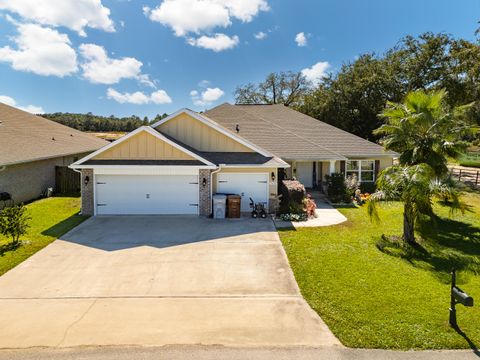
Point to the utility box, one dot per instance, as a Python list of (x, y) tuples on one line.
[(234, 206), (219, 206)]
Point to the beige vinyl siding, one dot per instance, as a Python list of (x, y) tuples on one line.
[(196, 134), (143, 146)]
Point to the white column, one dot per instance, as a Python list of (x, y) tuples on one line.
[(332, 166)]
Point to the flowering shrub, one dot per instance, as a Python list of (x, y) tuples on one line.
[(293, 194), (310, 206)]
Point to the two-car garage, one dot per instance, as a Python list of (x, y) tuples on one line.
[(146, 194)]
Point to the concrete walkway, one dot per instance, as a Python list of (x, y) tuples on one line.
[(325, 215), (152, 281)]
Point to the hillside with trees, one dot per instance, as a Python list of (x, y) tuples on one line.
[(95, 123)]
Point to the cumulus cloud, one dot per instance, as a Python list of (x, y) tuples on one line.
[(139, 98), (73, 14), (185, 16), (260, 35), (29, 108), (317, 72), (99, 68), (301, 39), (217, 42), (206, 97), (40, 50)]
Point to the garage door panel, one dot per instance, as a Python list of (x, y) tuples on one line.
[(254, 185), (146, 194)]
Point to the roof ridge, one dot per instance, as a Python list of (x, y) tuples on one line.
[(291, 132)]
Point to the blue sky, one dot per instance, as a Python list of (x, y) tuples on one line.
[(146, 57)]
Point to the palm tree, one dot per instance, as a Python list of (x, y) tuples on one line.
[(416, 186), (424, 130)]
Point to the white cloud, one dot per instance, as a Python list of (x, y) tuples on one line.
[(260, 35), (217, 42), (139, 98), (73, 14), (100, 69), (185, 16), (29, 108), (317, 72), (207, 97), (40, 50), (301, 39)]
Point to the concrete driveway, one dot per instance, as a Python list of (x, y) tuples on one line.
[(151, 280)]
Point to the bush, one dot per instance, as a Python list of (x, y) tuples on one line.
[(337, 189), (293, 194), (368, 187), (14, 222)]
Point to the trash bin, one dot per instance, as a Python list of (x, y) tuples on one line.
[(234, 206), (219, 206)]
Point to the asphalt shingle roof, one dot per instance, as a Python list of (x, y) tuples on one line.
[(25, 137), (292, 135)]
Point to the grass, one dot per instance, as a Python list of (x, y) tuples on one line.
[(373, 294), (51, 218)]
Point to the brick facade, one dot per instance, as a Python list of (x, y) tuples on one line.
[(87, 192), (204, 196)]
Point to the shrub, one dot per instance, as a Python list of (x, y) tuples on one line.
[(14, 222), (337, 189), (352, 184), (293, 194), (368, 187)]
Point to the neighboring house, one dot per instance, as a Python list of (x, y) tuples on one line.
[(175, 165), (30, 149)]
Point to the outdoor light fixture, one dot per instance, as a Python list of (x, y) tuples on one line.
[(273, 176), (86, 180), (204, 182)]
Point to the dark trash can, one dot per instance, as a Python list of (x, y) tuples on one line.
[(234, 206)]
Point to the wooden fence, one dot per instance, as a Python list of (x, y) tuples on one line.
[(467, 175), (67, 181)]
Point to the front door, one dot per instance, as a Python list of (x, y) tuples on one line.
[(305, 173)]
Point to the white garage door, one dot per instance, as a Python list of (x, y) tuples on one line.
[(248, 185), (146, 194)]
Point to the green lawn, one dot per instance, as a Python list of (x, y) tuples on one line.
[(51, 218), (394, 300)]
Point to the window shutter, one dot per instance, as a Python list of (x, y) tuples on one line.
[(342, 166), (377, 169)]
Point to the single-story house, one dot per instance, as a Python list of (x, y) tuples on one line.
[(31, 147), (175, 165)]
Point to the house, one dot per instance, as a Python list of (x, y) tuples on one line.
[(175, 165), (31, 147), (311, 147)]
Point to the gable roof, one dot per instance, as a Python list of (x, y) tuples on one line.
[(233, 159), (26, 137), (211, 123), (292, 135), (85, 160)]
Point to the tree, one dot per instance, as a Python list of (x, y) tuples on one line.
[(14, 222), (423, 129), (416, 186), (352, 98), (286, 88)]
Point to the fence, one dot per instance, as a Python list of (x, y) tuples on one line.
[(67, 181), (468, 176)]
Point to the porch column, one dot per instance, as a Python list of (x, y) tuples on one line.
[(332, 167)]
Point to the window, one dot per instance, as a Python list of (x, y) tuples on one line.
[(363, 169)]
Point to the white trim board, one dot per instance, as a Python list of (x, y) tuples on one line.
[(149, 130)]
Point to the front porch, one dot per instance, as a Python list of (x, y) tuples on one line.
[(312, 173)]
